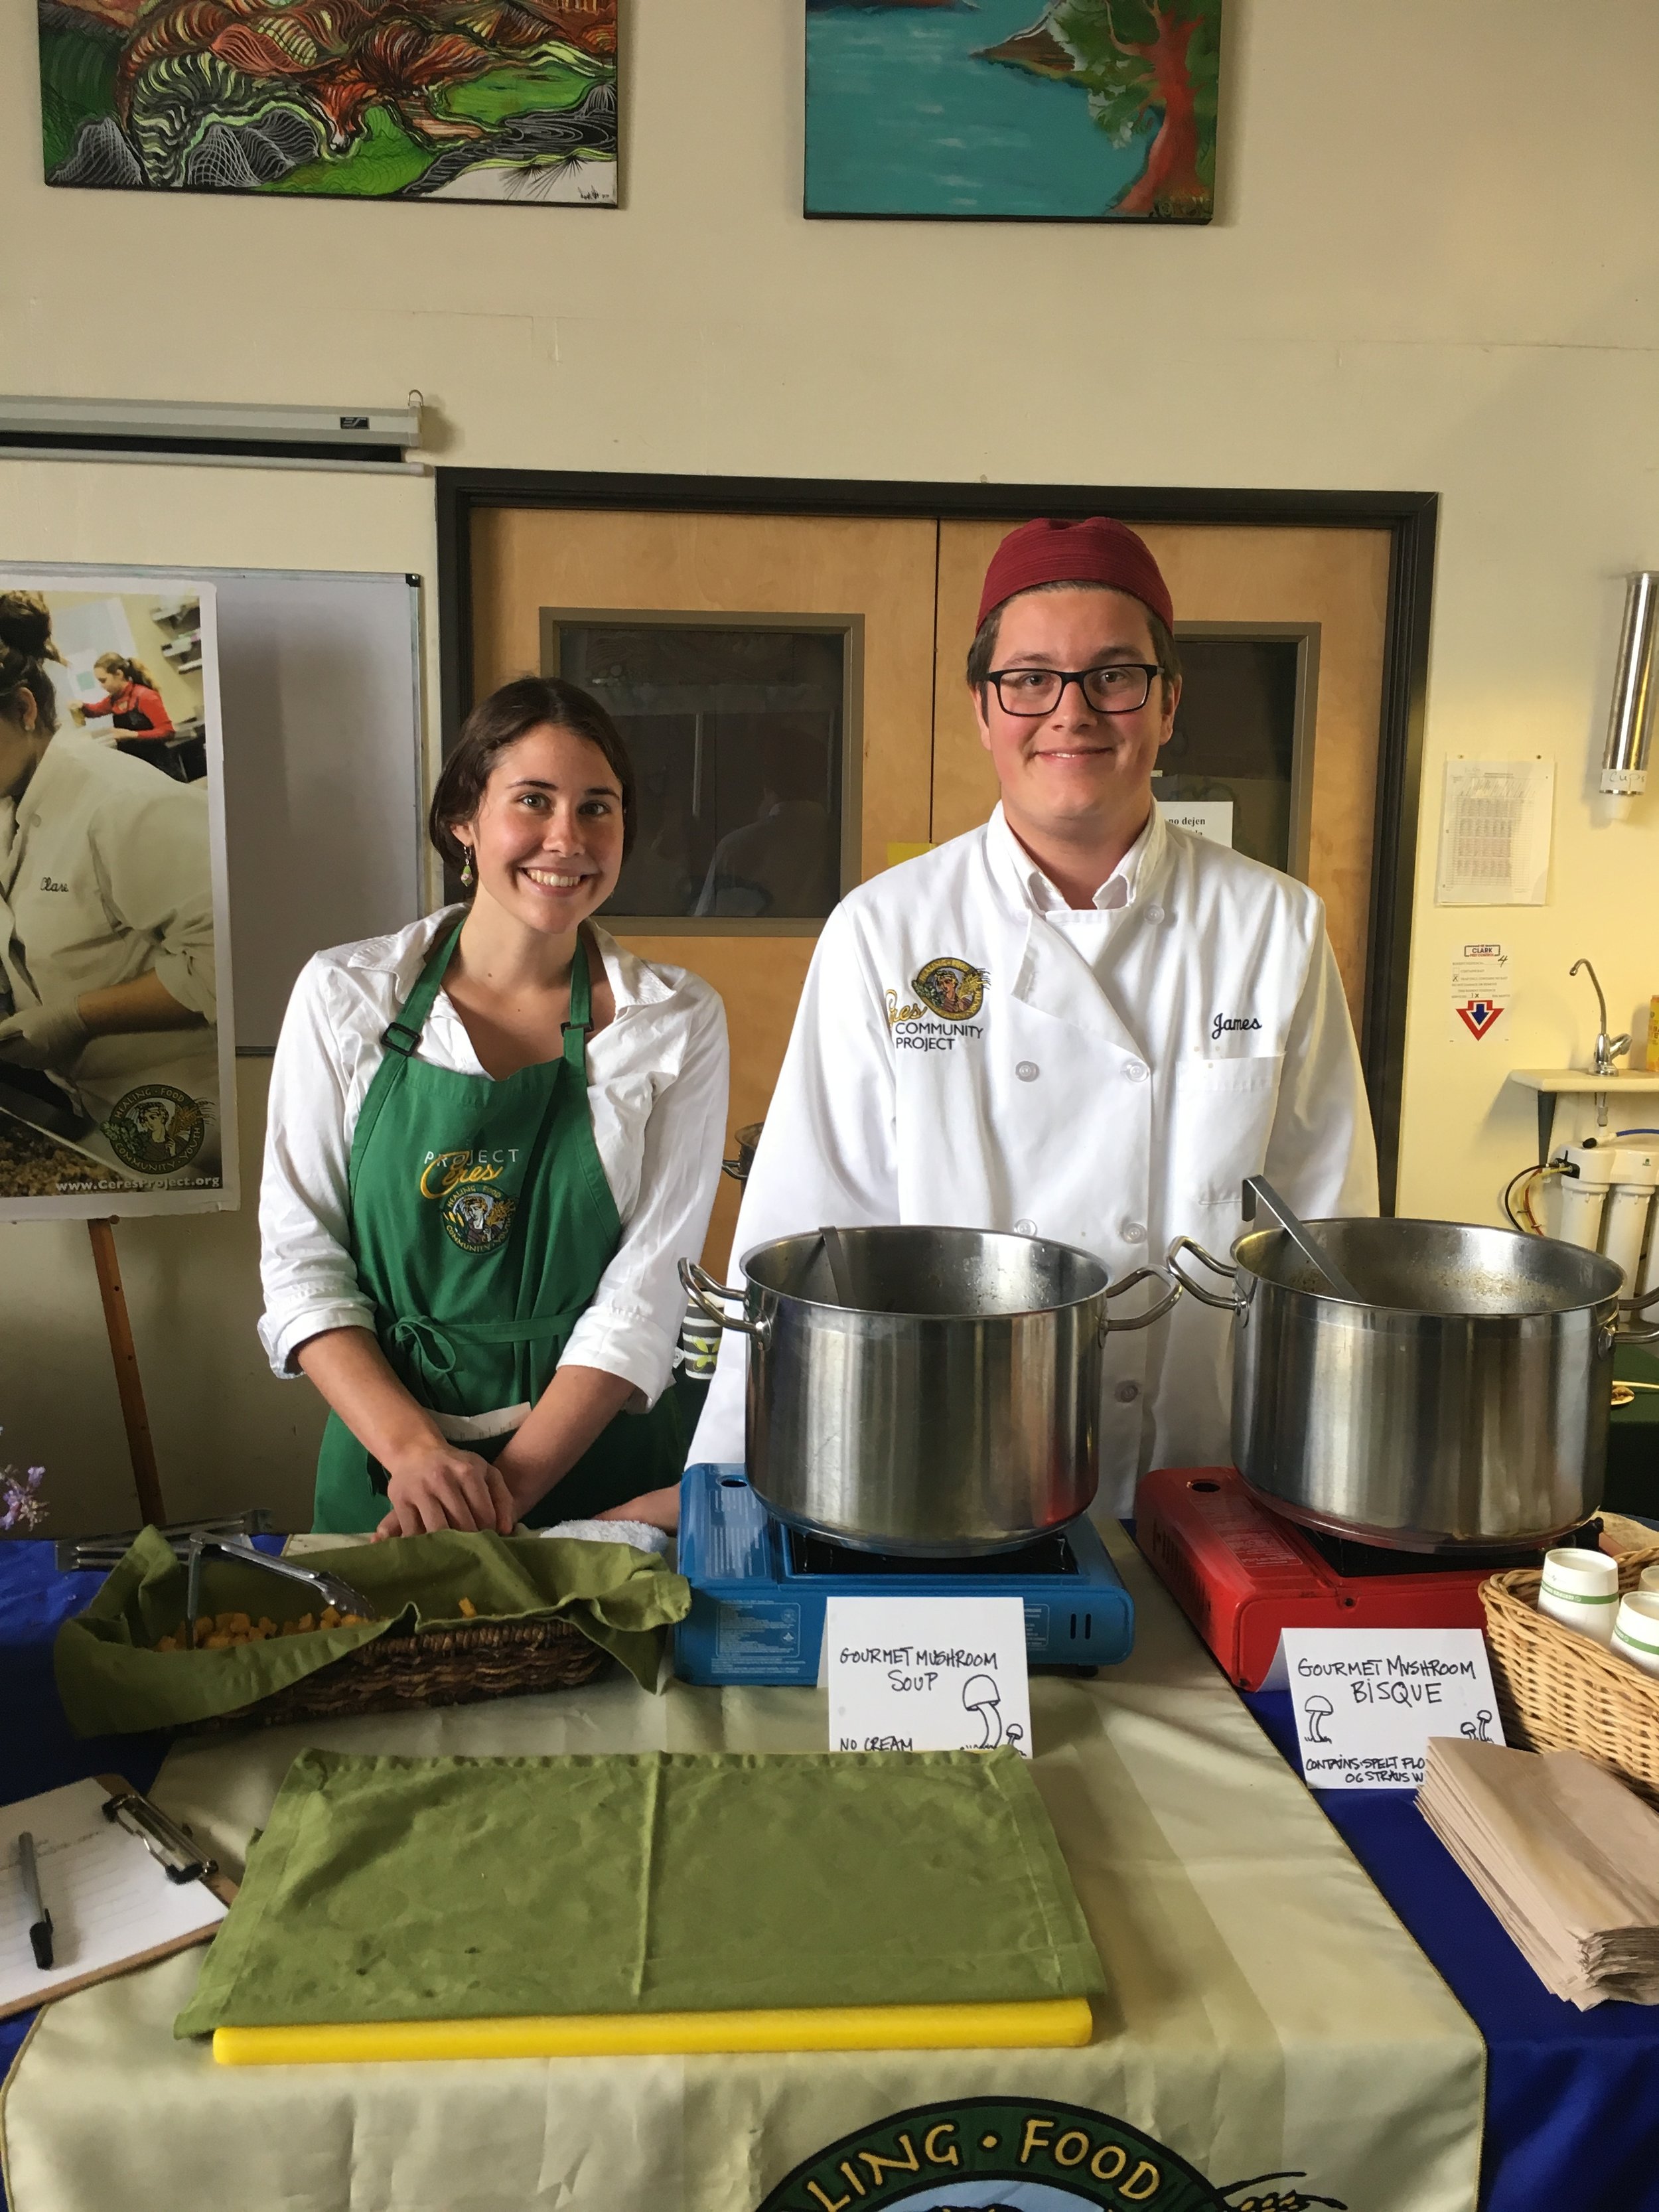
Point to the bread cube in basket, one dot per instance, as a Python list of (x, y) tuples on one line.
[(457, 1617)]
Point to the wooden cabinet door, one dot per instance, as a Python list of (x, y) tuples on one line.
[(1336, 580), (527, 559)]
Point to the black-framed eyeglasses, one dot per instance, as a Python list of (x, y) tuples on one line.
[(1118, 689)]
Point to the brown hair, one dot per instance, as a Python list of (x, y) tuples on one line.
[(134, 670), (500, 720), (982, 651), (26, 646)]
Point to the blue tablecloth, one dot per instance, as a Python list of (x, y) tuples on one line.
[(1572, 2098)]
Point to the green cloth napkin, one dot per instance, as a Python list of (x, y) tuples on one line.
[(399, 1889), (113, 1681)]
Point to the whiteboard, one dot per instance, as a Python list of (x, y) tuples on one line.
[(320, 689)]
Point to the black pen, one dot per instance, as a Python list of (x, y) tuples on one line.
[(40, 1918)]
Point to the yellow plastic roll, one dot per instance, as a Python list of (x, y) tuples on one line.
[(1050, 2023)]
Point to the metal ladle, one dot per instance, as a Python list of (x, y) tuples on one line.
[(1258, 1189)]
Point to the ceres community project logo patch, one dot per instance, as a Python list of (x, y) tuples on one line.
[(992, 2154), (476, 1214), (156, 1130), (478, 1220), (953, 987)]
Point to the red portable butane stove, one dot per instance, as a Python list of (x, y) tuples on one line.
[(1242, 1573)]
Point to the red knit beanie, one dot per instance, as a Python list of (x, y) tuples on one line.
[(1095, 551)]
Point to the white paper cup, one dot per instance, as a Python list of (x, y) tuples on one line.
[(1580, 1591), (1636, 1629), (1649, 1579)]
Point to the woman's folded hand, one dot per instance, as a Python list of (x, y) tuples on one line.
[(437, 1485)]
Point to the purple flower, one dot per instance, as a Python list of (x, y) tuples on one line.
[(21, 1504)]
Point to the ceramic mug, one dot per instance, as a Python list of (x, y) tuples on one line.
[(1580, 1591)]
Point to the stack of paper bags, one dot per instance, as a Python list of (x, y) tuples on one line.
[(455, 1907), (1565, 1856)]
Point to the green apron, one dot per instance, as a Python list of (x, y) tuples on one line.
[(482, 1222)]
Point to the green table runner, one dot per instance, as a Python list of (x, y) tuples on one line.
[(394, 1889), (112, 1680)]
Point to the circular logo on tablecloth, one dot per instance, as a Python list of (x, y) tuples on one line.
[(995, 2155), (156, 1130), (477, 1218)]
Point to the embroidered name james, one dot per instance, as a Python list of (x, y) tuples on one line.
[(1225, 1022)]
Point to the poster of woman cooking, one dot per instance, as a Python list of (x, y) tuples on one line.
[(117, 1094)]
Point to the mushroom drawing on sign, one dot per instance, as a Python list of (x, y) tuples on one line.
[(980, 1695), (1316, 1712)]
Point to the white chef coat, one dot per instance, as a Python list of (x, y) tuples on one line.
[(1125, 1069), (656, 1086), (105, 876)]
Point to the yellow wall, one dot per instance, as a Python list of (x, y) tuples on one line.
[(1435, 269)]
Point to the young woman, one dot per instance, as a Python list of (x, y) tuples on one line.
[(106, 953), (135, 702), (491, 1139)]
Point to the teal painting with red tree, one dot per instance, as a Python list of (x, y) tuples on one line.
[(1076, 110)]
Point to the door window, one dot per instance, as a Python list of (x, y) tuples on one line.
[(738, 730)]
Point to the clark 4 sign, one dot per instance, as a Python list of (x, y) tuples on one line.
[(995, 2155)]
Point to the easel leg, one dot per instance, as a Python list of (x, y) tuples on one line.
[(127, 1381)]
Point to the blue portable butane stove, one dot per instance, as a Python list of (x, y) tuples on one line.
[(758, 1589)]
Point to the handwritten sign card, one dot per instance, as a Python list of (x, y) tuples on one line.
[(926, 1673), (1368, 1700)]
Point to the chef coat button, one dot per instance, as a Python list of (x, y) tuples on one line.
[(1136, 1071), (1135, 1233), (1027, 1071), (1024, 1228), (1155, 915), (1126, 1393)]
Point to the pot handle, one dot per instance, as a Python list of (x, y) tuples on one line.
[(1625, 1331), (1110, 1328), (703, 1290), (1233, 1304)]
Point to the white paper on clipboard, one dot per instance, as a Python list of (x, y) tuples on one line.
[(109, 1900)]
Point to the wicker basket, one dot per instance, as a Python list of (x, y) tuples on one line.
[(1559, 1691), (433, 1666)]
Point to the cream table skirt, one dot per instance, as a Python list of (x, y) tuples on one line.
[(1268, 2013)]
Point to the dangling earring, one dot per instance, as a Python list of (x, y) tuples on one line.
[(467, 869)]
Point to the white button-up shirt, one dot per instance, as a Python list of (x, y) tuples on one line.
[(656, 1086)]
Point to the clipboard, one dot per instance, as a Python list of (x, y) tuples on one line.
[(69, 1813)]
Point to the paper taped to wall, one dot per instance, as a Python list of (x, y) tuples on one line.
[(1495, 833)]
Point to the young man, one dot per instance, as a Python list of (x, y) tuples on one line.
[(1075, 1022)]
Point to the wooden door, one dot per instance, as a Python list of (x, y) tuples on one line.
[(1335, 578), (525, 560)]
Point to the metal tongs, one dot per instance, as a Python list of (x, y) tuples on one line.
[(330, 1588)]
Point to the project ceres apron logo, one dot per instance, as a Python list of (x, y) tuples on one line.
[(156, 1130), (475, 1217), (989, 2155), (952, 992)]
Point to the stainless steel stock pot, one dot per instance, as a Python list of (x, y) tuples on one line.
[(940, 1399), (1461, 1402)]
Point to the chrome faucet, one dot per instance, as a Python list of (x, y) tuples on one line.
[(1607, 1049)]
